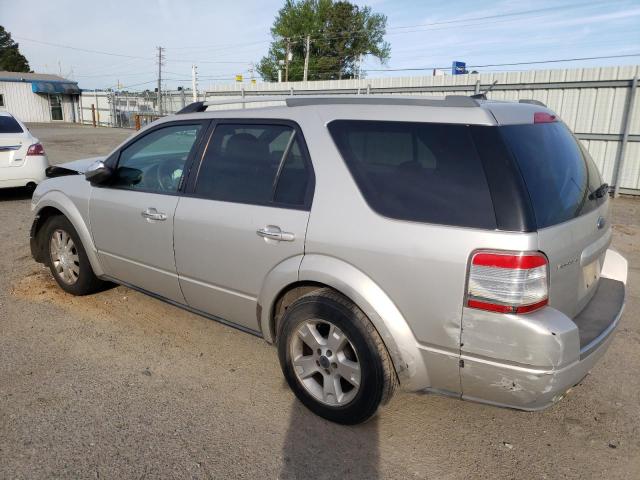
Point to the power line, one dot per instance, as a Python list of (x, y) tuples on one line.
[(59, 45), (329, 71), (458, 22), (100, 52), (507, 64), (137, 84), (206, 61), (318, 36)]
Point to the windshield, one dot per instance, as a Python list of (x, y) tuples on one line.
[(558, 171)]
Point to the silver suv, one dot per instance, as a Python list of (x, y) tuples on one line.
[(450, 245)]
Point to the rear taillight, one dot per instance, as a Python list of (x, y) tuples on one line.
[(508, 282), (36, 149), (544, 117)]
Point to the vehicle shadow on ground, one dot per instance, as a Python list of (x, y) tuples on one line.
[(316, 448), (8, 194)]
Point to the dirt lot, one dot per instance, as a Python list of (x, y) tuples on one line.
[(119, 385)]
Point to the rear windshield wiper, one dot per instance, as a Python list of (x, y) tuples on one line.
[(599, 192)]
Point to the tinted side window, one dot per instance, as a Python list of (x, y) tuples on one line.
[(294, 178), (9, 125), (555, 169), (255, 164), (156, 161), (423, 172)]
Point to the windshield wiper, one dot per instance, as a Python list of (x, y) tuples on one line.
[(599, 192)]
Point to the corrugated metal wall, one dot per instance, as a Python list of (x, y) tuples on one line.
[(21, 102), (590, 100)]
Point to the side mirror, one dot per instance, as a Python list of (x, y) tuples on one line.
[(98, 173)]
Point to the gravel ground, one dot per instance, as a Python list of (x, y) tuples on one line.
[(119, 385)]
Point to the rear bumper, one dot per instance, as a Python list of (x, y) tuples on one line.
[(530, 361), (31, 171)]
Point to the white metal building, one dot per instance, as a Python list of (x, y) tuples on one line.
[(39, 97)]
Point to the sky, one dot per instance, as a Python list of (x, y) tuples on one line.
[(224, 37)]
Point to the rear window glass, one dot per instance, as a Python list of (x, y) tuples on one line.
[(557, 170), (421, 172), (9, 125)]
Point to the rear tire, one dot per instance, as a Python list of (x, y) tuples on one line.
[(334, 359), (67, 259)]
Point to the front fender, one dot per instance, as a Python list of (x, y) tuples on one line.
[(374, 302), (60, 201)]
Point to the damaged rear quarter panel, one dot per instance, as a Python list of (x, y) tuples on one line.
[(511, 358)]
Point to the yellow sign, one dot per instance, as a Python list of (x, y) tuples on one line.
[(253, 81), (238, 78)]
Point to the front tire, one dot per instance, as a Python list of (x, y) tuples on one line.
[(334, 359), (67, 258)]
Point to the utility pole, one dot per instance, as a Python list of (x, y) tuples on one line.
[(286, 60), (306, 59), (160, 60), (194, 82)]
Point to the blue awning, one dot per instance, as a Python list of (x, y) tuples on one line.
[(68, 88)]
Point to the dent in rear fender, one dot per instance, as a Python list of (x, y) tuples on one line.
[(60, 201), (374, 302), (544, 339), (516, 360)]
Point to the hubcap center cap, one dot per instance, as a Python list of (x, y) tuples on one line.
[(324, 362)]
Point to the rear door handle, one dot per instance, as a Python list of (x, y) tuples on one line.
[(273, 232), (153, 214)]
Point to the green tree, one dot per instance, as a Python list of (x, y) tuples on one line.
[(11, 60), (341, 33)]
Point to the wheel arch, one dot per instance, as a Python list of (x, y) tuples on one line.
[(56, 203), (321, 271)]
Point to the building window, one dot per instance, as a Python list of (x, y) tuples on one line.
[(56, 107), (1, 100)]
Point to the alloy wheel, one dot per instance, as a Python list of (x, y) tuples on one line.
[(64, 257), (325, 362)]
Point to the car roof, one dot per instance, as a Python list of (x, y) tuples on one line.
[(443, 109)]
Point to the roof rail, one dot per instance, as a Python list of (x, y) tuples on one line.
[(532, 102), (305, 100), (448, 101)]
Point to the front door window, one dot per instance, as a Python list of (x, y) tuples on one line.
[(56, 107), (154, 163)]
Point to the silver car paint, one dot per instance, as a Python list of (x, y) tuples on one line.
[(227, 285), (409, 278), (122, 238)]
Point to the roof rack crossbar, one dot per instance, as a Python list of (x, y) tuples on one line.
[(305, 100)]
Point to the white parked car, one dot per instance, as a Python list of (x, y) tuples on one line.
[(22, 158)]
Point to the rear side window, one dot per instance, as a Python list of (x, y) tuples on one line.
[(421, 172), (9, 125), (557, 170), (255, 164)]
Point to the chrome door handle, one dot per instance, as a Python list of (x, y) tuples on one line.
[(153, 214), (275, 233)]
